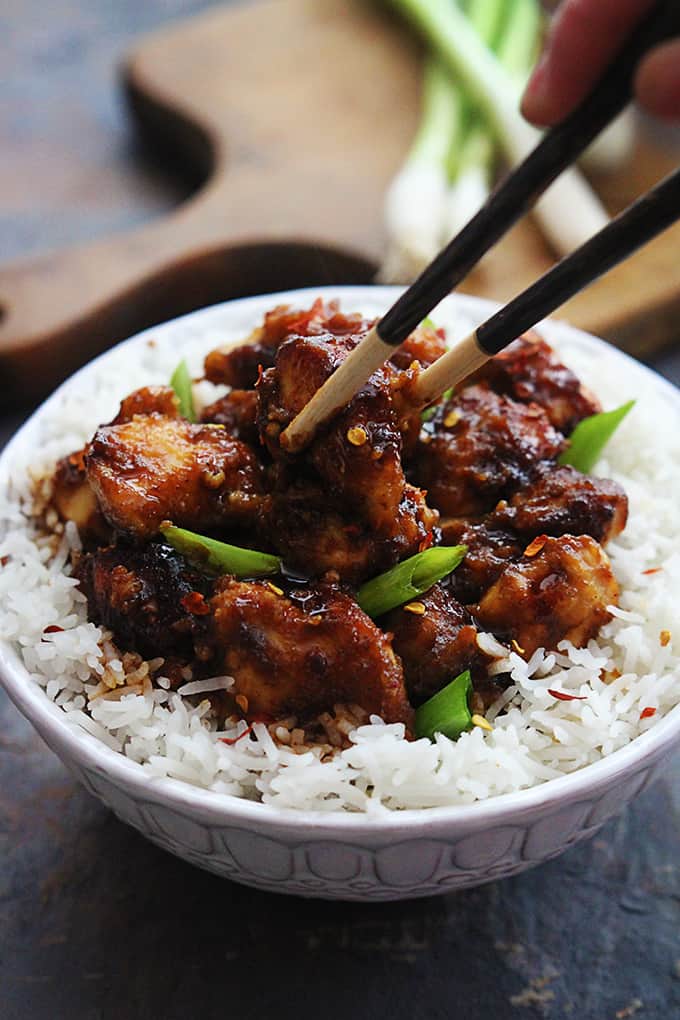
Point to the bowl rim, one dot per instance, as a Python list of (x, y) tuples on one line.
[(79, 745)]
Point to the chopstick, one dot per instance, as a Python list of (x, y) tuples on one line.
[(511, 199), (648, 216)]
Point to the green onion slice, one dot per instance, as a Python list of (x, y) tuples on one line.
[(447, 711), (219, 557), (429, 412), (590, 437), (408, 579), (181, 384)]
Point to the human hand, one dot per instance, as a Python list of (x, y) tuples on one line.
[(583, 38)]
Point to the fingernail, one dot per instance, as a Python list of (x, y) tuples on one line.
[(535, 92)]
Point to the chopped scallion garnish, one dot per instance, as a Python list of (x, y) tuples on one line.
[(181, 384), (447, 711), (219, 557), (408, 579), (590, 437)]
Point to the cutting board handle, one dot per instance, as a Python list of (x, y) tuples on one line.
[(60, 310)]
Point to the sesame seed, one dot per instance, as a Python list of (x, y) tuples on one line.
[(357, 436), (417, 608), (479, 720), (664, 638), (451, 419), (275, 588)]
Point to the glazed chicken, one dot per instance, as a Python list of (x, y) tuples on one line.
[(153, 468), (377, 484), (559, 590), (147, 595), (481, 447), (290, 653), (529, 371), (436, 639)]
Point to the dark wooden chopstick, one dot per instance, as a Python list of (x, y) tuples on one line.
[(648, 216), (510, 200)]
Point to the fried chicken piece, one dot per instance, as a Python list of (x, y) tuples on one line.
[(148, 400), (560, 592), (564, 501), (155, 468), (490, 548), (482, 446), (237, 411), (424, 345), (434, 646), (74, 498), (302, 366), (304, 652), (147, 595), (528, 370), (240, 366), (313, 538), (357, 457)]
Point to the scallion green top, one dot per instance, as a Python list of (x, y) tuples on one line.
[(408, 579)]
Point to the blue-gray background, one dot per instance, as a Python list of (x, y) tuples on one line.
[(96, 923)]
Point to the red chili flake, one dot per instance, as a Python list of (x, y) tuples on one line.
[(195, 604), (535, 547), (53, 629), (563, 696), (652, 570), (234, 740), (426, 542), (4, 560), (647, 713)]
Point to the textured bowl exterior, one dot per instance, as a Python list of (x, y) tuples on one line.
[(349, 856)]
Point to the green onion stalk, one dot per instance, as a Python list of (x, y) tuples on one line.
[(569, 213), (471, 164), (415, 199)]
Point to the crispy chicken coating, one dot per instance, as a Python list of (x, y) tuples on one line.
[(482, 447), (304, 652), (564, 501), (237, 411), (435, 645), (240, 366), (313, 538), (147, 595), (148, 400), (153, 468), (424, 345), (528, 370), (559, 590), (489, 550), (357, 457), (75, 499)]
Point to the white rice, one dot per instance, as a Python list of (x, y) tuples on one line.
[(633, 665)]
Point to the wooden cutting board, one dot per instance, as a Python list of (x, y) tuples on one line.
[(297, 113)]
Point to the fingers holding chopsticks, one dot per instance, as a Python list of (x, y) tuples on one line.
[(584, 36)]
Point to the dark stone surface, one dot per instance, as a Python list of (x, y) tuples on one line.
[(96, 923)]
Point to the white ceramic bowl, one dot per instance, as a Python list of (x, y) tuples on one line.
[(343, 856)]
